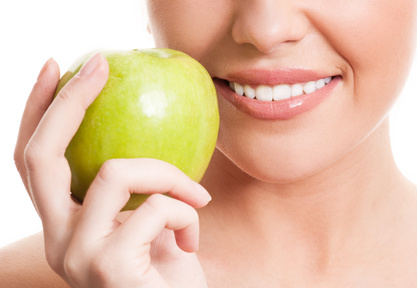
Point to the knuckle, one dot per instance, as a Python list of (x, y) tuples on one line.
[(32, 155), (154, 206), (69, 88), (109, 170), (102, 268), (77, 92), (98, 266), (65, 93), (70, 265), (154, 202), (18, 160), (54, 261)]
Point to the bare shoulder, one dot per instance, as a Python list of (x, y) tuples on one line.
[(23, 264)]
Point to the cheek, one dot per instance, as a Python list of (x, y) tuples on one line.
[(190, 26), (376, 38)]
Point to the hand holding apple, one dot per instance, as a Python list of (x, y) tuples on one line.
[(157, 103), (79, 239)]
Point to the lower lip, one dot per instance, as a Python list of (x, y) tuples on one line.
[(276, 110)]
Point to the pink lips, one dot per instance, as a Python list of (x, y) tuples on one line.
[(275, 110)]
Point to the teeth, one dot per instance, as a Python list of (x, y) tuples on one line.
[(263, 93), (279, 92), (310, 87), (249, 91), (238, 89), (320, 83), (296, 90)]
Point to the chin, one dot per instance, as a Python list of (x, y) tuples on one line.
[(280, 168)]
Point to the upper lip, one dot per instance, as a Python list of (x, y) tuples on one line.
[(256, 77)]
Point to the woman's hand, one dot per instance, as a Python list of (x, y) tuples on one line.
[(86, 244)]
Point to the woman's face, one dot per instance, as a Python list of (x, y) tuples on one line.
[(273, 49)]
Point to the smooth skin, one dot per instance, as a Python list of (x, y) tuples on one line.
[(313, 201)]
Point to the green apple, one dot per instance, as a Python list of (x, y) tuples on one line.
[(157, 103)]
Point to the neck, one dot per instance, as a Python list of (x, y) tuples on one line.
[(318, 212)]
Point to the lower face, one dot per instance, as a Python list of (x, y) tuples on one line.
[(349, 61)]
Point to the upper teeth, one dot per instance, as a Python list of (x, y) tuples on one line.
[(278, 92)]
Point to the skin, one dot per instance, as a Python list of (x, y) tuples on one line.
[(315, 201)]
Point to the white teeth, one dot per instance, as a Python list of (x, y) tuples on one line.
[(263, 93), (249, 91), (310, 87), (320, 83), (239, 89), (296, 90), (279, 92)]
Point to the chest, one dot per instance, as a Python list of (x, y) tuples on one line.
[(226, 277)]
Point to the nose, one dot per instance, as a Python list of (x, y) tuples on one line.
[(266, 24)]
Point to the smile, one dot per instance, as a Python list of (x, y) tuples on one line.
[(278, 92), (279, 95)]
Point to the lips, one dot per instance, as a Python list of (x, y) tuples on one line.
[(278, 95)]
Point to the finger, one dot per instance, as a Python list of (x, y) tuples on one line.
[(48, 171), (38, 102), (118, 178), (155, 214), (67, 111)]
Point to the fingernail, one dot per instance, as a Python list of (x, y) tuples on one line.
[(44, 68), (91, 65)]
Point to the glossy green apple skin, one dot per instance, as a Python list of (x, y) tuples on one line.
[(157, 103)]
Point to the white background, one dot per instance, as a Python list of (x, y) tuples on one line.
[(32, 31)]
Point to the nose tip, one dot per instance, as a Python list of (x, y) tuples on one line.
[(267, 24)]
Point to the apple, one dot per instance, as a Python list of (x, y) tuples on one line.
[(157, 103)]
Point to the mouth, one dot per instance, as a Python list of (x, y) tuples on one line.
[(278, 92), (273, 98)]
